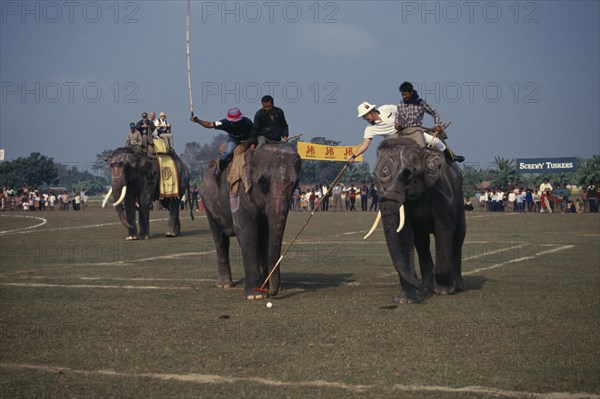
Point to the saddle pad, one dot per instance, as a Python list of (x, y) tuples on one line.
[(169, 182)]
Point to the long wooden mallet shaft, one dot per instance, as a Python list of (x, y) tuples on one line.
[(262, 287), (187, 43)]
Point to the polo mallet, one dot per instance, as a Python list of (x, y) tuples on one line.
[(295, 137), (189, 68), (436, 134), (262, 287)]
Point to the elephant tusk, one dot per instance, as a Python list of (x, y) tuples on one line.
[(377, 220), (401, 224), (106, 198), (122, 197)]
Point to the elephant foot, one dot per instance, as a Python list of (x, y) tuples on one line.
[(444, 284), (224, 283), (131, 238), (406, 297), (252, 295), (170, 235), (426, 292), (146, 237)]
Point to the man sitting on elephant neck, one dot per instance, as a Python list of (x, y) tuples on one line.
[(409, 120), (134, 138), (269, 126), (382, 123), (238, 128)]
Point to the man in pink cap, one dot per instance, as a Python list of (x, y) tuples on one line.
[(238, 128)]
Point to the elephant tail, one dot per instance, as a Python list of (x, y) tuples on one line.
[(189, 200)]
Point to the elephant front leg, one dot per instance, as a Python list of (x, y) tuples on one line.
[(144, 210), (222, 241), (274, 255), (249, 243), (422, 242), (130, 210)]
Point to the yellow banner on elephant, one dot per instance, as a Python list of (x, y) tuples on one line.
[(320, 152)]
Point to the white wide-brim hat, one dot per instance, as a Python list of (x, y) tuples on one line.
[(364, 108)]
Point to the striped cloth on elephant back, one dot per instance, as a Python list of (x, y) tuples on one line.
[(236, 171), (169, 182)]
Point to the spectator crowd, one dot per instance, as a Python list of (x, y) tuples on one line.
[(545, 199), (340, 197), (33, 199)]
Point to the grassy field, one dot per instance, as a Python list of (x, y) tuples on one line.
[(86, 314)]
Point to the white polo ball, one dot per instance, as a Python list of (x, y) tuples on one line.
[(269, 305)]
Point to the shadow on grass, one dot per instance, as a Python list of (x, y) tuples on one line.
[(312, 282), (474, 283)]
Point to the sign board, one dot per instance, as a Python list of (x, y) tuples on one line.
[(546, 165), (320, 152)]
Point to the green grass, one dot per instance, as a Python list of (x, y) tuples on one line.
[(528, 325)]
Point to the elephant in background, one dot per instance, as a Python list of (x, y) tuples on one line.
[(135, 184), (421, 194), (256, 216)]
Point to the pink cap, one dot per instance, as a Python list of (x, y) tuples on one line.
[(234, 115)]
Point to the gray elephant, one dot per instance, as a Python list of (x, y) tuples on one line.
[(256, 215), (421, 194), (135, 184)]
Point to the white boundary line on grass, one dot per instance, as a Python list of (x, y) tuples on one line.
[(41, 285), (23, 229), (125, 287), (218, 379), (87, 226), (561, 248)]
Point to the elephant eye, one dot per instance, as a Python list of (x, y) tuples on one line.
[(385, 170)]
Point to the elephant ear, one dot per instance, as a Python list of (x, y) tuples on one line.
[(435, 164)]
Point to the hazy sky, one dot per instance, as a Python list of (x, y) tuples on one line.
[(517, 79)]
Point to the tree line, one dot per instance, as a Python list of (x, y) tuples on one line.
[(40, 171)]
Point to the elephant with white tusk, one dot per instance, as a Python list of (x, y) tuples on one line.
[(135, 184), (421, 194)]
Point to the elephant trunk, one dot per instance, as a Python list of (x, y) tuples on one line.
[(393, 238), (123, 217)]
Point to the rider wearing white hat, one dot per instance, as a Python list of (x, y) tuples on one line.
[(381, 123)]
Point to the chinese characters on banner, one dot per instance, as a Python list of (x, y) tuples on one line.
[(320, 152)]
